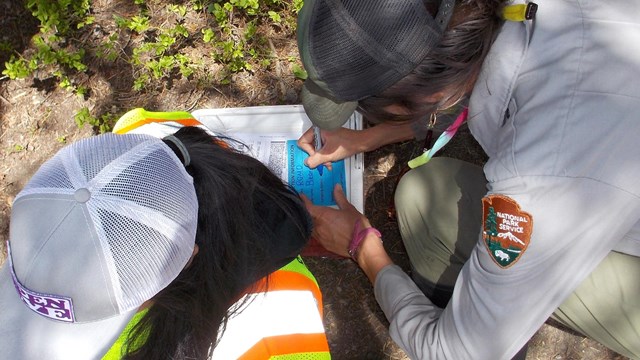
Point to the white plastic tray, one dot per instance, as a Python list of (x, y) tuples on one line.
[(289, 121)]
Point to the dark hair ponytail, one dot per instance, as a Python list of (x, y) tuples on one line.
[(249, 224), (450, 68)]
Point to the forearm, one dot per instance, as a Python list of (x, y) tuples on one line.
[(414, 321), (385, 134), (372, 257)]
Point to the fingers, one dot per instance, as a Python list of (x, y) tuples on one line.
[(305, 142), (315, 160), (311, 162)]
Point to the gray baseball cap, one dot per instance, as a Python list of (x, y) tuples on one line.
[(100, 228), (353, 49)]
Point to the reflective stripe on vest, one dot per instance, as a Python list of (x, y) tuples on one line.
[(274, 323), (302, 346), (285, 320), (138, 117)]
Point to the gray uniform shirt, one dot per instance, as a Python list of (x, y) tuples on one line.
[(556, 108)]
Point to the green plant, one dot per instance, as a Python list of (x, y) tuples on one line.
[(81, 91), (140, 82), (249, 6), (185, 64), (198, 5), (160, 59), (208, 35), (5, 46), (53, 56), (18, 68), (58, 15), (108, 49), (274, 16), (138, 23), (221, 13), (102, 124), (65, 82), (18, 148), (180, 10), (299, 72), (233, 41), (157, 51)]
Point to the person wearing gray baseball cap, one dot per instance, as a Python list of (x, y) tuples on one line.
[(350, 53), (549, 226), (136, 247)]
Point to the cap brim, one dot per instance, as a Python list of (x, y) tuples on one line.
[(27, 335), (324, 112)]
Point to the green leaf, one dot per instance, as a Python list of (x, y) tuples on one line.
[(299, 72), (207, 35), (274, 16)]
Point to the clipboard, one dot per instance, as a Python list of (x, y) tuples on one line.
[(267, 125)]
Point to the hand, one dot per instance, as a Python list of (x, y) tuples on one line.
[(337, 145), (333, 228)]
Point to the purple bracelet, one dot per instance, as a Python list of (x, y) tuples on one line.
[(358, 236)]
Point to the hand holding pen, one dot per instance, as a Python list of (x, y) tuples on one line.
[(334, 145)]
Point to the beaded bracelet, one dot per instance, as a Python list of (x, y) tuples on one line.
[(358, 236)]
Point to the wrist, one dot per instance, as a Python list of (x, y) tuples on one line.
[(372, 258), (360, 233), (370, 140), (387, 133)]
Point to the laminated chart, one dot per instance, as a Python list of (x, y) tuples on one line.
[(270, 134), (318, 188)]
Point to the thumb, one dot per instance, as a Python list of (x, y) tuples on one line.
[(340, 197), (307, 203), (314, 160)]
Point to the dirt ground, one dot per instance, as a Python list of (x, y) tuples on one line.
[(36, 120)]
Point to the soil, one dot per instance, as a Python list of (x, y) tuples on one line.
[(37, 120)]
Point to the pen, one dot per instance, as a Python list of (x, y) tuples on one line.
[(317, 140)]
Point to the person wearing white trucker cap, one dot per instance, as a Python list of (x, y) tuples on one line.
[(550, 226), (130, 246)]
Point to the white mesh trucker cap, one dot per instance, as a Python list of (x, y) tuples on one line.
[(101, 227)]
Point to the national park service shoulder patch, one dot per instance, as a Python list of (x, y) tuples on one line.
[(506, 229)]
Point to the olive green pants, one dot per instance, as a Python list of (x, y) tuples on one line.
[(439, 214)]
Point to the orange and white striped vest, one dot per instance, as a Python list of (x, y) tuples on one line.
[(283, 322)]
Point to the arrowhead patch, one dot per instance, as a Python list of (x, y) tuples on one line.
[(506, 229)]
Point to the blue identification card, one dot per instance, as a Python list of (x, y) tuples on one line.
[(318, 188)]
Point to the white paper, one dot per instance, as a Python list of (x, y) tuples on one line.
[(266, 129)]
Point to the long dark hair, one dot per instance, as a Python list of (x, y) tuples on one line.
[(450, 68), (249, 224)]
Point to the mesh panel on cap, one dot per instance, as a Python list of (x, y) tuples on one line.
[(93, 162), (73, 167), (140, 253), (51, 176), (151, 172), (142, 206), (147, 211), (361, 50)]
